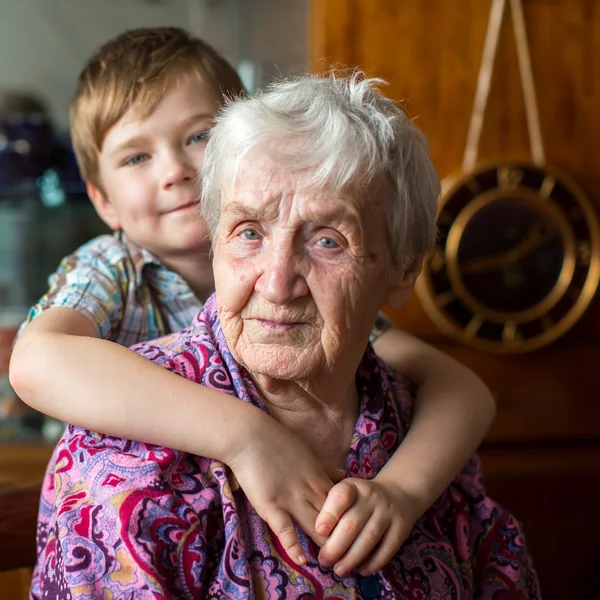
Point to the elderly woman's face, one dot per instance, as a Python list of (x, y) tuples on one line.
[(300, 273)]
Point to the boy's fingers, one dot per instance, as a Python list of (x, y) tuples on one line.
[(343, 536), (340, 498), (384, 552), (304, 514), (282, 526), (368, 539)]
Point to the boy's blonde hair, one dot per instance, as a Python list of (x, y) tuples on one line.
[(139, 67)]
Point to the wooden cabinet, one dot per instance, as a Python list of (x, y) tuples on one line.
[(552, 488), (23, 463), (542, 455), (20, 464)]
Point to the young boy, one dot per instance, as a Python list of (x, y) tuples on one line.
[(139, 122)]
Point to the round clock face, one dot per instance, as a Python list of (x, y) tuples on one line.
[(517, 260)]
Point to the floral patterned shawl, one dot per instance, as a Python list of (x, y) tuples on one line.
[(127, 520)]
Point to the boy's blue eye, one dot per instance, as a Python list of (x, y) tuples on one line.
[(328, 243), (200, 136), (136, 160)]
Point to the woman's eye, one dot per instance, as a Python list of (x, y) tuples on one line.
[(136, 160), (199, 137), (250, 235), (328, 243)]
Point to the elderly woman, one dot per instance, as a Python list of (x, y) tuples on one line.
[(321, 199)]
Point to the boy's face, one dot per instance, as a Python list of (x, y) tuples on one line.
[(148, 170)]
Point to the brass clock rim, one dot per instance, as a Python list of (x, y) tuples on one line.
[(424, 288), (456, 179), (453, 242)]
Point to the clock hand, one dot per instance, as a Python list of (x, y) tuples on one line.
[(534, 238), (483, 264)]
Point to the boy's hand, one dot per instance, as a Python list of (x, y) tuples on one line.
[(284, 481), (366, 522)]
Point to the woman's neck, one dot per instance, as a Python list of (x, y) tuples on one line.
[(323, 415)]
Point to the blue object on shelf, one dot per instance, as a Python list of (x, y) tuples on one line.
[(28, 148)]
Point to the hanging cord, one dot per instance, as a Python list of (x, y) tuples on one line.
[(484, 79), (527, 83)]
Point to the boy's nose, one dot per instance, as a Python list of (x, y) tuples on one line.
[(178, 170)]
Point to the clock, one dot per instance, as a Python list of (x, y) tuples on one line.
[(517, 260)]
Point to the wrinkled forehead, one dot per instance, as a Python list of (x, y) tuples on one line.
[(266, 184)]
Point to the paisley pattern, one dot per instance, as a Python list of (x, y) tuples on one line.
[(121, 519)]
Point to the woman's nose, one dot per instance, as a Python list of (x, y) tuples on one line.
[(177, 169), (281, 281)]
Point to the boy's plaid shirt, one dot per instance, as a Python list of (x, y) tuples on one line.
[(123, 289), (127, 293)]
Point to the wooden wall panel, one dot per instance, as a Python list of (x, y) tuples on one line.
[(552, 489), (542, 456), (430, 53)]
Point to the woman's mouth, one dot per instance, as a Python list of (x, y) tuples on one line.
[(277, 325)]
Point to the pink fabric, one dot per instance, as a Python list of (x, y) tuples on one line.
[(123, 519)]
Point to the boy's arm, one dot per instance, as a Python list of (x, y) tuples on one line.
[(367, 521), (60, 367), (453, 411)]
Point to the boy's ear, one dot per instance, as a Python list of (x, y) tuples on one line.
[(103, 207), (402, 286)]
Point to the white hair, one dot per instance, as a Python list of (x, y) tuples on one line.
[(346, 134)]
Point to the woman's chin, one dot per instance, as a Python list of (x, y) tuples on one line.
[(279, 363)]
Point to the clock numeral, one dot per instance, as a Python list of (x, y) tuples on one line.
[(511, 333), (474, 187), (437, 260), (445, 298), (547, 187), (509, 177), (584, 253), (474, 326)]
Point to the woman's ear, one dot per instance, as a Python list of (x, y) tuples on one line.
[(402, 286), (103, 207)]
